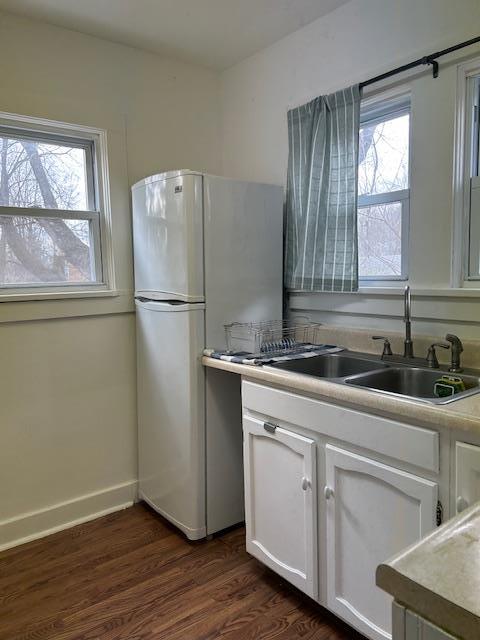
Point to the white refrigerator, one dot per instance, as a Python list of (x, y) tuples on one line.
[(207, 251)]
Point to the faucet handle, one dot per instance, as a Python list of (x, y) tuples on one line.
[(387, 349), (432, 359)]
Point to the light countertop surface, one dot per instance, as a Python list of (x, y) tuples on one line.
[(439, 577), (461, 414)]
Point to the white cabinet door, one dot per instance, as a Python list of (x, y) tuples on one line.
[(373, 512), (467, 477), (281, 502)]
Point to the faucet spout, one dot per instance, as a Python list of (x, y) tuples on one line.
[(407, 343)]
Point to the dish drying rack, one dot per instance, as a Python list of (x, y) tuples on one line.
[(272, 337)]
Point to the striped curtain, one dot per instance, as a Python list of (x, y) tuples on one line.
[(321, 252)]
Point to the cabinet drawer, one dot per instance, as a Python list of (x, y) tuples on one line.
[(413, 445)]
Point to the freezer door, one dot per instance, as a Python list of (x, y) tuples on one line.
[(168, 238), (171, 412)]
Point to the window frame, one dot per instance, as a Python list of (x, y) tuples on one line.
[(380, 108), (94, 142), (471, 174), (463, 179), (475, 155)]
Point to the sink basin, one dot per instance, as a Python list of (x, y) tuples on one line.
[(370, 373), (330, 366), (413, 382)]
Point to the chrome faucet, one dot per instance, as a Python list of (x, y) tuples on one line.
[(407, 343), (431, 360)]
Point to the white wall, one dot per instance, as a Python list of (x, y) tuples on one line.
[(359, 40), (67, 386), (67, 382)]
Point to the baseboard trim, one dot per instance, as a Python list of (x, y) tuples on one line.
[(38, 524)]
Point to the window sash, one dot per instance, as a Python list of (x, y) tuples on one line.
[(374, 116), (375, 111), (383, 198), (403, 198), (473, 232), (380, 110), (93, 217), (476, 128), (472, 180), (88, 146)]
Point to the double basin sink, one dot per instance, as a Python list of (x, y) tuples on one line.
[(369, 372)]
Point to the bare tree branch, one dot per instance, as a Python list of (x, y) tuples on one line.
[(13, 239), (78, 252)]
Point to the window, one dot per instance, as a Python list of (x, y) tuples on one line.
[(51, 203), (473, 179), (384, 189)]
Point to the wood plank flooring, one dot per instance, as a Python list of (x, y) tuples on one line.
[(131, 576)]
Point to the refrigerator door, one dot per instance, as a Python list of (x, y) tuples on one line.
[(243, 281), (168, 237), (243, 254), (171, 412)]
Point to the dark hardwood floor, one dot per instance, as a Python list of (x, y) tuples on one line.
[(130, 576)]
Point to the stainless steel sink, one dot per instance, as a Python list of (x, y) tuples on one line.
[(369, 372), (330, 365), (412, 382)]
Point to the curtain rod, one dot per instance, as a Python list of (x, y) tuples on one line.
[(430, 59)]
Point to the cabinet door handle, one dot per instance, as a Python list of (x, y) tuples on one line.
[(270, 427), (305, 483), (462, 504), (328, 493)]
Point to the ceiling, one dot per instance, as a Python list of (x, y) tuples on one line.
[(212, 33)]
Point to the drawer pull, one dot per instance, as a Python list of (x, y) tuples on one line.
[(270, 427)]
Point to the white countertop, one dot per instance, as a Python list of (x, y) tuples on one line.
[(463, 414), (439, 577)]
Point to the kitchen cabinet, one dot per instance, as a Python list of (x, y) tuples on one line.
[(409, 626), (373, 512), (331, 492), (467, 475), (281, 501)]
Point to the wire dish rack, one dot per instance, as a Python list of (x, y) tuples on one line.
[(275, 337)]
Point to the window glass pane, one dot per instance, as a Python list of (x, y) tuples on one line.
[(476, 128), (44, 250), (473, 270), (42, 174), (474, 231), (380, 240), (383, 156)]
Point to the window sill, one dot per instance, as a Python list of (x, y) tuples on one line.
[(32, 295), (72, 304), (439, 305), (446, 292)]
